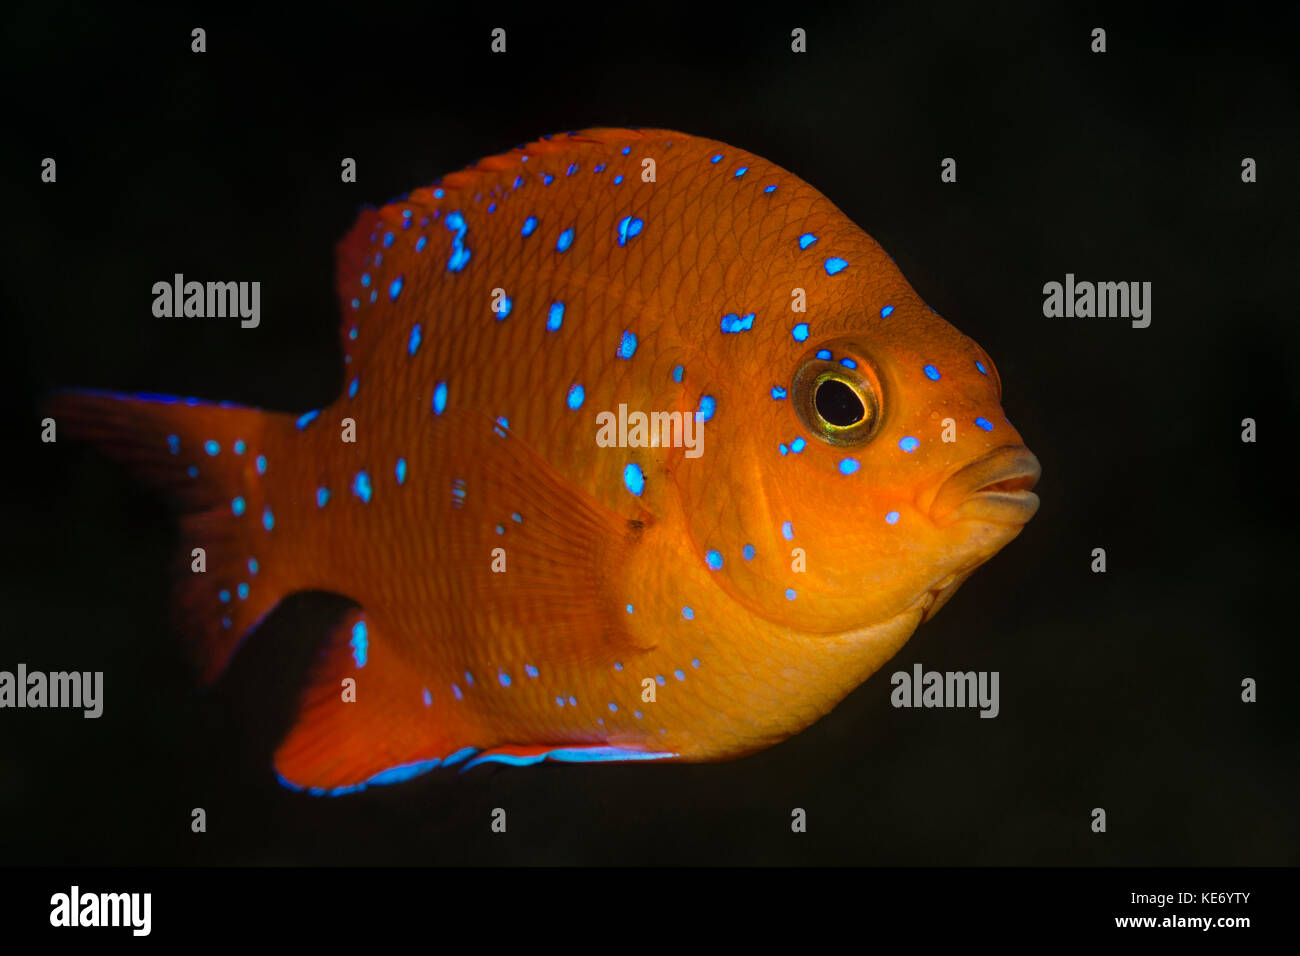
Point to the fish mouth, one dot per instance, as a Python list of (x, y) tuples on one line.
[(993, 488)]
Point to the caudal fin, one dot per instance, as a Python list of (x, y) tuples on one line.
[(207, 458)]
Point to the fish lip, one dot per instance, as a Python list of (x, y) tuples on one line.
[(992, 488)]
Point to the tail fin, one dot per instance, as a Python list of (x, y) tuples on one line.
[(207, 459)]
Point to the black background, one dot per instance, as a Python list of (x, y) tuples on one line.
[(1119, 690)]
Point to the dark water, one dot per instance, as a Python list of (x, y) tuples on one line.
[(1119, 690)]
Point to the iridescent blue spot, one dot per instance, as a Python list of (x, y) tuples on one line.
[(625, 150), (931, 373), (677, 373), (555, 317), (530, 225), (736, 323), (770, 189), (395, 289), (502, 307), (352, 332), (237, 506), (628, 227), (211, 447), (627, 345), (714, 560), (261, 464), (388, 239), (789, 594), (985, 424), (565, 240), (223, 596), (659, 679), (519, 181), (783, 448), (225, 622), (242, 590), (439, 193), (268, 519), (806, 240), (980, 365), (365, 279), (374, 294), (708, 405), (909, 444), (306, 418), (716, 159), (559, 701), (469, 678), (630, 609), (798, 445), (849, 465), (547, 179), (787, 531), (688, 613), (502, 424), (618, 665), (401, 470), (352, 388), (576, 396), (428, 698), (778, 392), (360, 643), (573, 168), (192, 471), (573, 701), (421, 243), (741, 171), (695, 662), (530, 670), (460, 254), (439, 398), (835, 264), (800, 332), (501, 529), (748, 552), (322, 496), (598, 168), (618, 179), (361, 486), (413, 345), (613, 707), (884, 313), (456, 692), (240, 446), (252, 566), (356, 303), (891, 518), (503, 678), (633, 478)]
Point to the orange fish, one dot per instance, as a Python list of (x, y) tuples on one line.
[(645, 452)]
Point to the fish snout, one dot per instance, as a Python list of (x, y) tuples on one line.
[(994, 487)]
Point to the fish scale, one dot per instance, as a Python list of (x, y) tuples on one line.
[(652, 605)]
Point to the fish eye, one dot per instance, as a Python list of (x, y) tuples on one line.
[(837, 403)]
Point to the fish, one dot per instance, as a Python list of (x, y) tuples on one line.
[(521, 592)]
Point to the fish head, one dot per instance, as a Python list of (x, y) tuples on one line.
[(875, 472)]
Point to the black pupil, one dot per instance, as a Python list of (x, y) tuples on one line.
[(838, 404)]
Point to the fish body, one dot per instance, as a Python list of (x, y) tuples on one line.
[(528, 591)]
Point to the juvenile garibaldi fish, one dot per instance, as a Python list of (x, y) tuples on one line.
[(534, 582)]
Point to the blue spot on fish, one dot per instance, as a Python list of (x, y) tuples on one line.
[(576, 396), (211, 447), (634, 478), (237, 506), (800, 332), (984, 423), (360, 643), (891, 518), (736, 323), (787, 531), (748, 552), (931, 373), (565, 240), (909, 444), (806, 240), (627, 345), (555, 317), (401, 470), (708, 405), (261, 464), (413, 345), (361, 486), (835, 264), (439, 398), (307, 418), (268, 519), (530, 224), (714, 560), (778, 392), (628, 227), (322, 496), (849, 465), (677, 373), (884, 313)]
